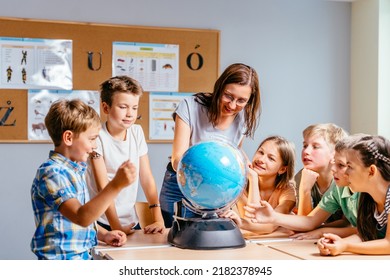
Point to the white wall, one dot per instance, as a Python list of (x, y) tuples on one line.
[(384, 69), (300, 49), (364, 66), (370, 67)]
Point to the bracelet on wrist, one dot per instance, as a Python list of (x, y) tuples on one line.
[(154, 205)]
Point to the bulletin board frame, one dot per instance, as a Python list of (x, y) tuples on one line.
[(198, 62)]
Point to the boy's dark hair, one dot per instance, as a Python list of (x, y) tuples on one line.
[(119, 84)]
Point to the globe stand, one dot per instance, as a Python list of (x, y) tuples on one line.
[(206, 233)]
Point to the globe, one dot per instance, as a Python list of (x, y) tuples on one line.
[(211, 175)]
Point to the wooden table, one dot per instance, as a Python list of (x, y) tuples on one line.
[(142, 246), (275, 246), (307, 250)]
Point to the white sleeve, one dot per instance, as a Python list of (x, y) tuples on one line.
[(140, 140)]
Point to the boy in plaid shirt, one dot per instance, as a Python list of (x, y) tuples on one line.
[(64, 215)]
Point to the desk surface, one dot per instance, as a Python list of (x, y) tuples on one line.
[(142, 246), (307, 250), (275, 246), (249, 252)]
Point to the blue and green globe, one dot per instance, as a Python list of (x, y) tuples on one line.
[(212, 174)]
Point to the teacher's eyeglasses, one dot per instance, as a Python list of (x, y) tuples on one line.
[(227, 97)]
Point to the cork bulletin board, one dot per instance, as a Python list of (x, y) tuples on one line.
[(198, 62)]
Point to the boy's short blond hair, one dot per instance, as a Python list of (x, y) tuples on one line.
[(329, 131), (73, 115)]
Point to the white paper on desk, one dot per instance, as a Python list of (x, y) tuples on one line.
[(270, 240), (132, 248)]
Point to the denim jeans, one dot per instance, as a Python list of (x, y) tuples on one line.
[(171, 193)]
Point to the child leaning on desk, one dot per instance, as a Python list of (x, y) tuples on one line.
[(316, 177), (270, 177), (120, 139), (368, 172), (338, 197), (64, 215)]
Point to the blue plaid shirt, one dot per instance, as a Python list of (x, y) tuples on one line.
[(57, 180)]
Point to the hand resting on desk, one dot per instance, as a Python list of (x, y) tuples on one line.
[(156, 227)]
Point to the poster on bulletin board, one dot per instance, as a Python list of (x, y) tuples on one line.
[(183, 59), (27, 63), (154, 66), (162, 105), (39, 102)]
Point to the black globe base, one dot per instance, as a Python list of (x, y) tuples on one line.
[(205, 234)]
